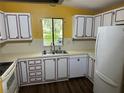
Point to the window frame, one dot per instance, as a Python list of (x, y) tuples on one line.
[(53, 38)]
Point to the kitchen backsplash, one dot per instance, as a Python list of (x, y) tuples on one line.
[(37, 45)]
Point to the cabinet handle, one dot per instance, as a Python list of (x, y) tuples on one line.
[(78, 59), (25, 62), (58, 59), (113, 13), (21, 37), (54, 60)]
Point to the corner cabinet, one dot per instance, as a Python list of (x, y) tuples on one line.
[(119, 16), (3, 33), (108, 18), (97, 23), (82, 27), (91, 67), (18, 26), (78, 66), (22, 72)]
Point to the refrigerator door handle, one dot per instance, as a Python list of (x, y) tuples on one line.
[(97, 40), (106, 79)]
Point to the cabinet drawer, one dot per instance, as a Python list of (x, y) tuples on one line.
[(38, 67), (31, 62), (31, 68), (38, 79), (32, 80), (32, 74), (38, 62), (35, 79), (38, 73)]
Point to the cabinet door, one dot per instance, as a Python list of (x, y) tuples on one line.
[(97, 23), (12, 25), (23, 72), (83, 65), (107, 19), (49, 69), (78, 66), (24, 26), (2, 27), (119, 15), (91, 69), (80, 26), (89, 26), (62, 68)]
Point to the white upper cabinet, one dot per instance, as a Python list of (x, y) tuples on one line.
[(82, 27), (12, 25), (97, 23), (25, 26), (18, 26), (108, 19), (78, 26), (3, 34), (119, 16), (89, 26)]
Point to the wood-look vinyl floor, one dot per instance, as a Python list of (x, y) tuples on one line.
[(78, 85)]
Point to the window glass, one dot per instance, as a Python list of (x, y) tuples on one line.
[(58, 33), (52, 31), (47, 31)]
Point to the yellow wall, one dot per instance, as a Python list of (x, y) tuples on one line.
[(1, 87), (44, 10)]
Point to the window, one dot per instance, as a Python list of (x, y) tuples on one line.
[(52, 31)]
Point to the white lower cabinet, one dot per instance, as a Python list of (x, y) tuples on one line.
[(23, 74), (29, 71), (78, 66), (91, 66), (62, 68), (49, 69), (35, 70), (55, 68)]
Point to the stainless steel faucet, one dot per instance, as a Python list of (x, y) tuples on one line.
[(52, 48)]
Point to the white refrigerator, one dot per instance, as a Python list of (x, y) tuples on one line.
[(109, 66)]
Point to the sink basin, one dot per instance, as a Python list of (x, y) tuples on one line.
[(55, 52), (61, 52)]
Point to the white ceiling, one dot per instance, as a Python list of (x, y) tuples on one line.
[(91, 4)]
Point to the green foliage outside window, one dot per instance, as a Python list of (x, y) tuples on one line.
[(52, 31)]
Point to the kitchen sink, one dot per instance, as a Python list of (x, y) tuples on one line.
[(55, 52), (61, 52)]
